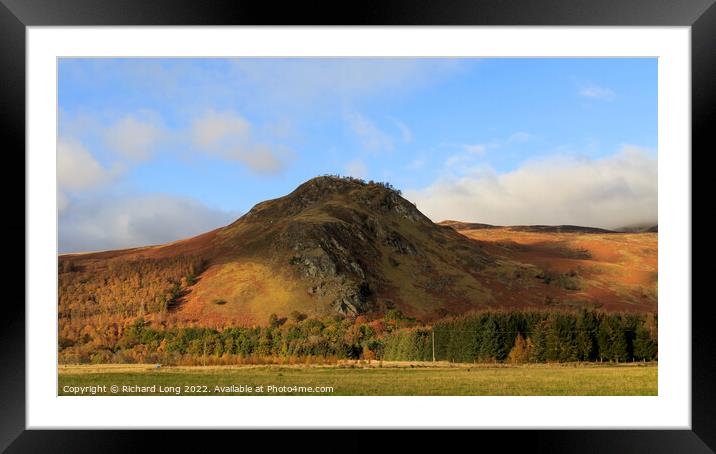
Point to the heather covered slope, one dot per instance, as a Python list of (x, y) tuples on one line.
[(582, 267)]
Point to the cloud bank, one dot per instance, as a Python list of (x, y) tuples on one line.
[(77, 169), (130, 221), (611, 192)]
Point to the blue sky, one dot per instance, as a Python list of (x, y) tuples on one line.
[(153, 150)]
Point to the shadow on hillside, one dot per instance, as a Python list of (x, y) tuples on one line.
[(180, 298)]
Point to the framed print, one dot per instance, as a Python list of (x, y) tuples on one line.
[(389, 222)]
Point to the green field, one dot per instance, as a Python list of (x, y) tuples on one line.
[(389, 379)]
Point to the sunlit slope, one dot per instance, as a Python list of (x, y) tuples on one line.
[(609, 270)]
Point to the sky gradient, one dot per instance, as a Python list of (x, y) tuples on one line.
[(154, 150)]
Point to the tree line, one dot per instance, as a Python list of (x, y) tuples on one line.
[(515, 336), (530, 337)]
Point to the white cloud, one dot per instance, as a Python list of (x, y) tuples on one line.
[(597, 92), (216, 128), (370, 136), (77, 169), (610, 192), (356, 169), (114, 223), (263, 159), (229, 136), (132, 138)]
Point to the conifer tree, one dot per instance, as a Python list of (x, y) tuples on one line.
[(492, 345), (539, 340), (617, 339), (644, 345), (586, 336), (604, 340)]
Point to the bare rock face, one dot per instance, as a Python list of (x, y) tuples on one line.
[(353, 301), (335, 255), (399, 244)]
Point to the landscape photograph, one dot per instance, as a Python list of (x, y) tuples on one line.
[(357, 226)]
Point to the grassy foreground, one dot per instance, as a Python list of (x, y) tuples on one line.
[(388, 379)]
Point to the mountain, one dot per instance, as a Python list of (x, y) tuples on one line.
[(332, 246)]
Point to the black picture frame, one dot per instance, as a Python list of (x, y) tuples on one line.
[(16, 15)]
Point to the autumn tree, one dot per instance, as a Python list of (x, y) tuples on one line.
[(368, 354), (520, 352)]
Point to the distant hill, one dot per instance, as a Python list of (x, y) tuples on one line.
[(457, 225), (558, 229), (337, 246), (643, 228)]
